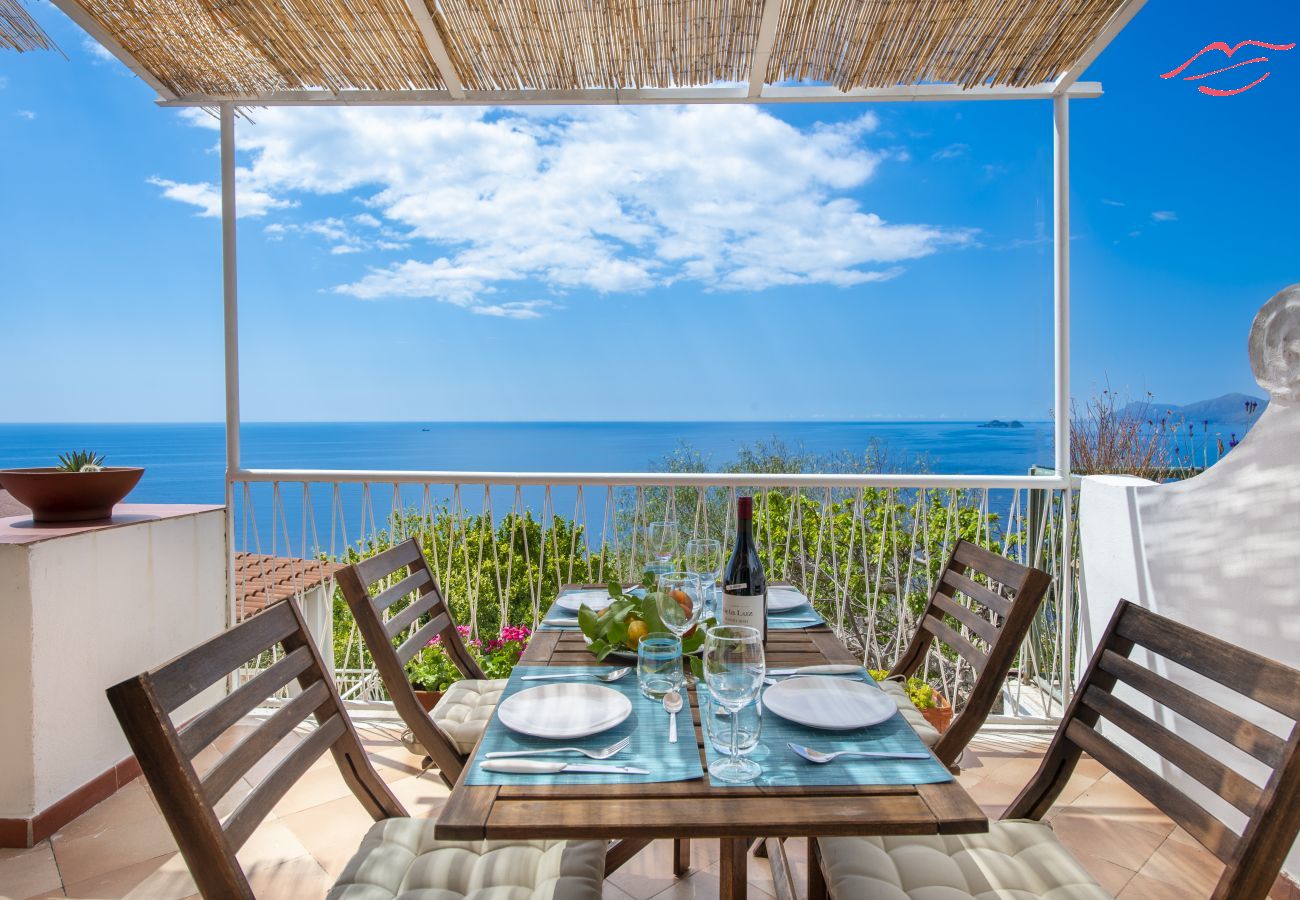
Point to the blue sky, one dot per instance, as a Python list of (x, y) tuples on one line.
[(838, 262)]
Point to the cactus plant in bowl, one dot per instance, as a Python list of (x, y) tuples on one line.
[(79, 489)]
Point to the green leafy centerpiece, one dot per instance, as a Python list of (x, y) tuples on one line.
[(620, 626)]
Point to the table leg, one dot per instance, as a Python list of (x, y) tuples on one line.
[(734, 875), (681, 857)]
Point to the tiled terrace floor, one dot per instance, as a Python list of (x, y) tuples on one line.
[(122, 847)]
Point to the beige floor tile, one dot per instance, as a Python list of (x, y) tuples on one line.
[(1123, 844), (129, 805), (610, 892), (703, 885), (423, 796), (300, 878), (331, 832), (318, 786), (1113, 800), (1144, 888), (161, 878), (1111, 876), (1184, 865), (650, 872), (83, 853), (26, 873)]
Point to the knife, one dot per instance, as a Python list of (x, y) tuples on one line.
[(832, 669), (541, 767)]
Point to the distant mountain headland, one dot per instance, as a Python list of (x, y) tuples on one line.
[(1230, 409), (998, 423)]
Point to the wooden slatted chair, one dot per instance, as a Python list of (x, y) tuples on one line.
[(995, 628), (1021, 856), (397, 854), (447, 735)]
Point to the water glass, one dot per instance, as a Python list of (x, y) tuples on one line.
[(661, 540), (679, 601), (659, 664), (734, 666), (704, 558), (718, 724)]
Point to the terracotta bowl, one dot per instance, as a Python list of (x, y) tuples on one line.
[(55, 496)]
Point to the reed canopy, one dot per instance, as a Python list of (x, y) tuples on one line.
[(251, 50)]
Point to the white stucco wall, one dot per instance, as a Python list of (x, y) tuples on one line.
[(1219, 552), (82, 612)]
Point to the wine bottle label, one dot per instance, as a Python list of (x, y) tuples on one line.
[(738, 586), (743, 609)]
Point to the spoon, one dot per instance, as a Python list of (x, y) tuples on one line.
[(606, 677), (673, 704)]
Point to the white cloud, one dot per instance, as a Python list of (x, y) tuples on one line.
[(207, 197), (25, 114), (98, 53), (601, 199), (1164, 215), (4, 82), (952, 151), (1112, 202)]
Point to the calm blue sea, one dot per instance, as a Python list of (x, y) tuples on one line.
[(184, 462)]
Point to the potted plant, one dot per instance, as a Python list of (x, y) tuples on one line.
[(931, 703), (80, 489), (431, 671)]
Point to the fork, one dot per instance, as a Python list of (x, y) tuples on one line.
[(819, 757), (606, 677), (590, 754)]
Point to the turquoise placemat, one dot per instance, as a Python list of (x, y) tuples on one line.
[(781, 767), (556, 611), (799, 617), (647, 726)]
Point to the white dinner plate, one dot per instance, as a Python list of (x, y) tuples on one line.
[(564, 711), (834, 704), (574, 600), (783, 599)]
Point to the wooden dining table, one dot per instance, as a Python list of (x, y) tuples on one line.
[(735, 816)]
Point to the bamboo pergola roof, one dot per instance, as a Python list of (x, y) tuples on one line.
[(284, 51)]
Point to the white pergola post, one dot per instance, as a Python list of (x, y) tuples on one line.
[(230, 298), (1061, 266)]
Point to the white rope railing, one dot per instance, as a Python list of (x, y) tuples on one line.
[(867, 549)]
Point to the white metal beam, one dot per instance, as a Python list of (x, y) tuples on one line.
[(73, 11), (1122, 17), (763, 46), (437, 49), (1061, 281), (230, 316), (643, 96)]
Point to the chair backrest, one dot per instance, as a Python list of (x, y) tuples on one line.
[(144, 706), (991, 618), (405, 572), (1253, 856)]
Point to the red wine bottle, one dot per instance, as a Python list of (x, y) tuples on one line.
[(744, 586)]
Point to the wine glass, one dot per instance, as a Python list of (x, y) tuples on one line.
[(680, 601), (704, 558), (734, 667), (661, 538)]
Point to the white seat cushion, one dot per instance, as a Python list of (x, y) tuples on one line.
[(465, 709), (400, 860), (928, 734), (1016, 860)]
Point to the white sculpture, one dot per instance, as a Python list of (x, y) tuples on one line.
[(1275, 345)]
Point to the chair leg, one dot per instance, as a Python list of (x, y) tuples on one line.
[(782, 876), (817, 889), (760, 848), (681, 857)]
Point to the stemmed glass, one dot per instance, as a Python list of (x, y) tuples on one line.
[(704, 558), (734, 666), (662, 540), (680, 602)]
